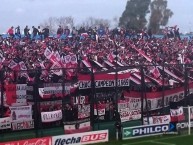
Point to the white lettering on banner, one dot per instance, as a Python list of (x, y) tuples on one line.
[(38, 142), (84, 84), (81, 138), (51, 116), (104, 83), (5, 123), (150, 130), (183, 125), (55, 89), (35, 141), (21, 113), (157, 120), (23, 125)]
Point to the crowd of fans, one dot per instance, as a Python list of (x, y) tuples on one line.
[(93, 44)]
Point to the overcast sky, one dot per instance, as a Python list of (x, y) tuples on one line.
[(33, 12)]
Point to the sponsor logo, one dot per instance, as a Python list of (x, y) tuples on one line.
[(94, 137), (81, 138), (147, 130), (37, 141), (183, 125), (172, 127)]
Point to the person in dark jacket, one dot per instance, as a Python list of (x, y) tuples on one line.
[(17, 32), (26, 32), (35, 31), (46, 32)]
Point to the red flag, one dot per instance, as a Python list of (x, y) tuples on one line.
[(111, 57), (155, 72), (177, 115)]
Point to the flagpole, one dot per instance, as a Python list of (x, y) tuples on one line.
[(186, 85), (142, 93), (163, 87), (36, 106), (63, 102), (116, 79)]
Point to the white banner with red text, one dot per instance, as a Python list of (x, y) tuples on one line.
[(163, 119), (22, 125), (21, 113), (5, 123), (51, 116)]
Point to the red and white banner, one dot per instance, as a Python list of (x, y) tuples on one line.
[(13, 65), (5, 123), (51, 116), (82, 138), (128, 115), (83, 111), (177, 115), (22, 125), (80, 100), (155, 99), (99, 109), (21, 113), (104, 80), (164, 119), (51, 89), (16, 94), (45, 105), (55, 90), (56, 69), (77, 126), (35, 141)]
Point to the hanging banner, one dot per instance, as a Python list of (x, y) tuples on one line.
[(45, 105), (99, 109), (128, 115), (80, 100), (77, 126), (155, 99), (22, 125), (177, 115), (5, 123), (51, 90), (21, 113), (104, 80), (16, 94), (83, 111), (55, 90), (163, 119), (51, 116)]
